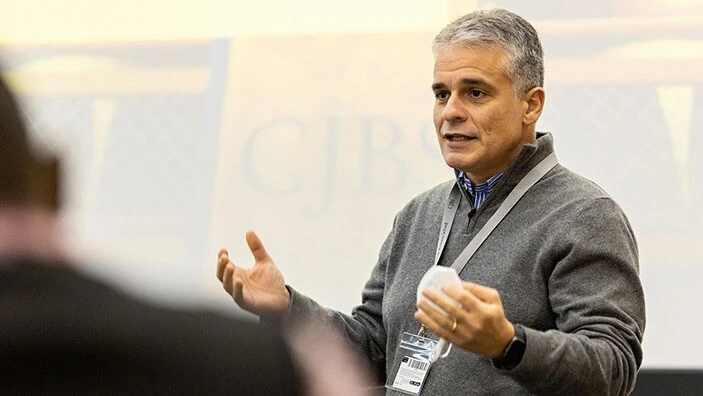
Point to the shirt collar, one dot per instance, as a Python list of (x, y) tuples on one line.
[(480, 190)]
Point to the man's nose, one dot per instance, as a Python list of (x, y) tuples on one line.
[(454, 110)]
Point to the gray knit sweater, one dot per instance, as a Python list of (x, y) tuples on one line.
[(564, 261)]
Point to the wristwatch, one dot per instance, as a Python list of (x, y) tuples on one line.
[(512, 354)]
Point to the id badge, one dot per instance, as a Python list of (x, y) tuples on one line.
[(412, 364)]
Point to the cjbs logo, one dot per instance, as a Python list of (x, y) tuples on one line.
[(338, 155)]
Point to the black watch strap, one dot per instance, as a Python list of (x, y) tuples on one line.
[(512, 355)]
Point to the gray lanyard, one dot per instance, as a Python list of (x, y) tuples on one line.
[(528, 181)]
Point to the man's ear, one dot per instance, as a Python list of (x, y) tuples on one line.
[(45, 182), (534, 103)]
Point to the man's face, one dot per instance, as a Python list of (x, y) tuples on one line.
[(480, 123)]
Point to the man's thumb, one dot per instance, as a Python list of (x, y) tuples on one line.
[(256, 247)]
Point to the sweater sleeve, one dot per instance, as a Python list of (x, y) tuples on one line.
[(597, 299), (364, 328)]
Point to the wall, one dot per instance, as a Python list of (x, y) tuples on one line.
[(185, 124)]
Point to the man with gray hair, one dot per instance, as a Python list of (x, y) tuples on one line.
[(550, 301)]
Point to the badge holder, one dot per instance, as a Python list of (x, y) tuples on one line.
[(419, 353), (409, 372)]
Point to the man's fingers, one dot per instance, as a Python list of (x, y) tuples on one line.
[(238, 291), (468, 301), (426, 315), (228, 278), (431, 311), (441, 309), (484, 293), (256, 247), (222, 260), (425, 319), (446, 304), (435, 321)]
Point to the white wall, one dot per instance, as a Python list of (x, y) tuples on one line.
[(185, 124)]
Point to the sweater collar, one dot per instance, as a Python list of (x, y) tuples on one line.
[(528, 157)]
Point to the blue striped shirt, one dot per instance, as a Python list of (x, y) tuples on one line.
[(480, 192)]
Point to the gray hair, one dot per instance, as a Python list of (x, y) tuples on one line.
[(524, 64)]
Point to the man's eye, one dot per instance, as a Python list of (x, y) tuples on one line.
[(475, 93), (442, 95)]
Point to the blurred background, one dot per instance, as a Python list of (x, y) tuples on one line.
[(184, 124)]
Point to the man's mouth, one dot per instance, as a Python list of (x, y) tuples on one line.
[(453, 137)]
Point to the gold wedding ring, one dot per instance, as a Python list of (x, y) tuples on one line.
[(454, 325)]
